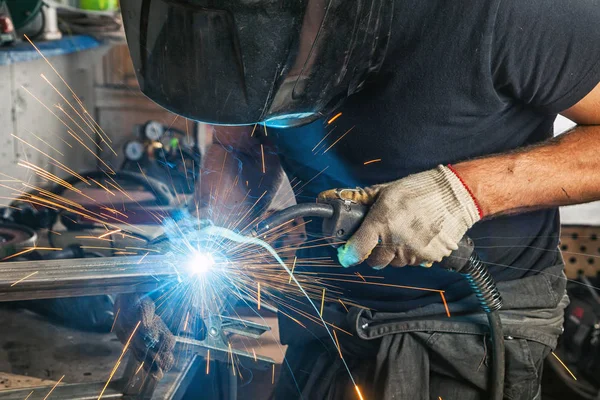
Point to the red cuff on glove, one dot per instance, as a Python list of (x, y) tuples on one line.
[(451, 168)]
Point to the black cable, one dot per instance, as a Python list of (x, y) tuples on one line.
[(487, 293), (290, 213)]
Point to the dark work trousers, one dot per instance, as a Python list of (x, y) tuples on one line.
[(422, 354)]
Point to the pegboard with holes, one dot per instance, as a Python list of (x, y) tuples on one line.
[(580, 246)]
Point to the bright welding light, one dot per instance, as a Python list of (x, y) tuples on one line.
[(200, 263)]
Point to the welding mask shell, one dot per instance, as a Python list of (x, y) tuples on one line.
[(240, 62)]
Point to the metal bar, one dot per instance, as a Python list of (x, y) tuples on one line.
[(29, 280)]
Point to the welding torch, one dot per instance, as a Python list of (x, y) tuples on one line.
[(341, 219)]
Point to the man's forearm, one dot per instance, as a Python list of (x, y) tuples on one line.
[(561, 171)]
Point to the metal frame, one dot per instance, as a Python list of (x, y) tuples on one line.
[(29, 280)]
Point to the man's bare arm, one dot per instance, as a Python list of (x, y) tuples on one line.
[(233, 177), (561, 171)]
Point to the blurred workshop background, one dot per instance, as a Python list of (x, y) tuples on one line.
[(46, 45)]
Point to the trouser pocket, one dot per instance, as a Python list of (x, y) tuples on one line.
[(524, 363)]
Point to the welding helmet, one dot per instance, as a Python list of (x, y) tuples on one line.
[(240, 62)]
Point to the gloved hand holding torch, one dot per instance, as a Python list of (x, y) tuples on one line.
[(414, 220)]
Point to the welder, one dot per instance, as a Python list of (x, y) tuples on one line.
[(446, 128)]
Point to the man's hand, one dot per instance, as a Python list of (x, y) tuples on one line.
[(153, 342), (414, 220)]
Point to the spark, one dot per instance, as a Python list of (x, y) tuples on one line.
[(293, 267), (109, 233), (125, 348), (29, 395), (360, 276), (265, 126), (322, 303), (340, 300), (115, 320), (445, 304), (139, 368), (372, 161), (337, 343), (259, 295), (22, 279), (187, 318), (262, 152), (53, 387), (358, 391), (440, 398), (334, 118), (254, 353), (340, 138), (207, 361), (564, 365), (228, 234), (273, 376), (144, 256), (253, 129)]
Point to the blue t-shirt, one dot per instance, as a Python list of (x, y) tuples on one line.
[(462, 79)]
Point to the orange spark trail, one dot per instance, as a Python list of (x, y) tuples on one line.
[(259, 295), (322, 302), (372, 161), (120, 358), (254, 352), (109, 233), (273, 376), (22, 279), (265, 126), (115, 320), (293, 267), (340, 138), (139, 368), (54, 387), (208, 362), (564, 365), (262, 152), (340, 300), (254, 129), (100, 132), (334, 118), (445, 304), (337, 343), (29, 395), (359, 393)]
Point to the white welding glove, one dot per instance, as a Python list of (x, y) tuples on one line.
[(415, 220)]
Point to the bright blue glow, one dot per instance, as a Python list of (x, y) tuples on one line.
[(200, 263)]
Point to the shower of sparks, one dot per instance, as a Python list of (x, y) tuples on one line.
[(564, 365), (241, 264), (372, 161), (445, 304), (139, 368), (334, 118), (25, 277), (54, 387)]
